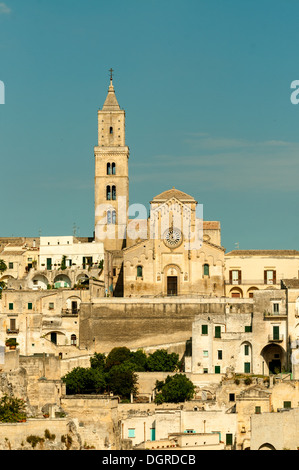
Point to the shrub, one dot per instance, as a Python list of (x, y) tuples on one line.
[(34, 440), (175, 389), (12, 410), (49, 436)]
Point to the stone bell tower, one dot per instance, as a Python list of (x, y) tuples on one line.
[(111, 175)]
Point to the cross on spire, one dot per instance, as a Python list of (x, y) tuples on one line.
[(111, 74)]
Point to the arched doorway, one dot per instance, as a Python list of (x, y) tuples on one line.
[(39, 282), (274, 359), (62, 281), (267, 447), (171, 280), (236, 292), (251, 291)]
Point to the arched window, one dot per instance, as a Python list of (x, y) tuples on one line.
[(113, 193), (111, 217), (108, 193), (73, 340), (113, 169), (206, 270), (139, 271), (111, 130), (108, 168)]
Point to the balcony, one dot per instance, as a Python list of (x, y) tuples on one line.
[(251, 282), (279, 315), (12, 332), (275, 338), (70, 312)]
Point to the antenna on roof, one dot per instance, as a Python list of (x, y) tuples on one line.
[(237, 245)]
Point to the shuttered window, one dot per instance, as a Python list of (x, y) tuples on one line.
[(217, 331)]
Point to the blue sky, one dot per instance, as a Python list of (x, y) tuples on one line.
[(206, 89)]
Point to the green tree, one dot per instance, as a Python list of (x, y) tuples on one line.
[(161, 360), (63, 263), (12, 410), (138, 360), (3, 267), (175, 389), (98, 361), (2, 287), (84, 381), (122, 381), (117, 356)]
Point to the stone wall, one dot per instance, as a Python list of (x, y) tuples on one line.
[(13, 436), (96, 418), (143, 323)]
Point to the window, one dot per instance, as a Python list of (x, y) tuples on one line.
[(108, 193), (111, 130), (204, 329), (235, 276), (248, 329), (257, 410), (10, 265), (220, 355), (30, 306), (12, 324), (206, 270), (275, 307), (247, 367), (276, 332), (206, 371), (108, 169), (111, 217), (229, 439), (232, 397), (51, 306), (139, 271), (217, 331), (246, 350), (269, 276), (205, 353), (113, 169), (131, 433), (287, 404), (10, 306), (114, 272), (73, 340), (217, 369), (113, 193)]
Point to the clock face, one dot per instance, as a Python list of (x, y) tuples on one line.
[(173, 238)]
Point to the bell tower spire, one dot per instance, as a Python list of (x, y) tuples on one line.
[(111, 174)]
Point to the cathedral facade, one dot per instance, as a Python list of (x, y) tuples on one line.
[(174, 252)]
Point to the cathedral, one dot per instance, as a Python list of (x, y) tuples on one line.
[(171, 253)]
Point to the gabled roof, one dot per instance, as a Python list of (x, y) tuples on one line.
[(290, 283), (170, 193)]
